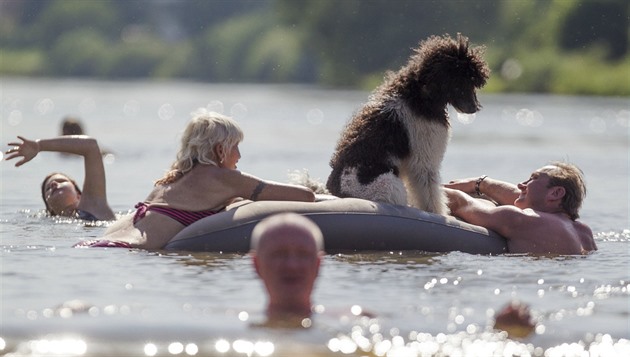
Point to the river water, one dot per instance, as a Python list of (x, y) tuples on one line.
[(60, 301)]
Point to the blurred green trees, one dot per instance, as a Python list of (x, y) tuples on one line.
[(560, 46)]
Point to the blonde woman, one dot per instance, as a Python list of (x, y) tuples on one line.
[(202, 181)]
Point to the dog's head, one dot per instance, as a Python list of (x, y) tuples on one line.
[(448, 71)]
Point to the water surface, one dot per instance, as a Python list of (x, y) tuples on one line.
[(140, 303)]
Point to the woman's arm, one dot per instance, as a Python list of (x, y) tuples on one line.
[(71, 144), (94, 192), (256, 189)]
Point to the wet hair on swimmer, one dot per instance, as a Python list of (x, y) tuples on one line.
[(292, 220), (48, 209), (205, 130)]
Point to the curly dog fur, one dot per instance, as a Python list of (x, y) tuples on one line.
[(392, 149)]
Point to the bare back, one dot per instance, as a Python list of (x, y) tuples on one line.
[(549, 233), (205, 187)]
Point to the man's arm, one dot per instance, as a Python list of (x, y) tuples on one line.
[(503, 193), (502, 219)]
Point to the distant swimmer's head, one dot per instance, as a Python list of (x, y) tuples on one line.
[(71, 126)]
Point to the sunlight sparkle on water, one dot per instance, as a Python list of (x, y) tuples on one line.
[(466, 118), (315, 116), (467, 343), (264, 348), (175, 348), (306, 322), (15, 117), (61, 347), (166, 111), (131, 108), (243, 346), (238, 111), (243, 316), (192, 349), (511, 69), (45, 106), (215, 106), (109, 159), (222, 346), (528, 117), (150, 349), (343, 344)]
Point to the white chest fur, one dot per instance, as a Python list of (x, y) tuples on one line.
[(420, 171)]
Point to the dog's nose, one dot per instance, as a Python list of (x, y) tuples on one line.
[(466, 103), (467, 108)]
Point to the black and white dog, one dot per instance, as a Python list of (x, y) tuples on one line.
[(392, 149)]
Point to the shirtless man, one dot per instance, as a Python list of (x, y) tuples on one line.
[(536, 216), (287, 250)]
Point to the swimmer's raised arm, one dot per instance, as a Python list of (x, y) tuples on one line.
[(93, 197), (71, 144)]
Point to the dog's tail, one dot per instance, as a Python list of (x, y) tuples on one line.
[(303, 178)]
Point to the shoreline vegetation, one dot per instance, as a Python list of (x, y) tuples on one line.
[(569, 47)]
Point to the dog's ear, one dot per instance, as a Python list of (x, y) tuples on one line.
[(472, 60), (462, 42)]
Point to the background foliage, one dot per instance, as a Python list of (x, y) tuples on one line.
[(559, 46)]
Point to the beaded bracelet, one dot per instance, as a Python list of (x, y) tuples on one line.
[(478, 183)]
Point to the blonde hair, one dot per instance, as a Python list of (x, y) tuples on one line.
[(205, 130)]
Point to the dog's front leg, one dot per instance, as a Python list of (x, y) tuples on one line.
[(425, 192)]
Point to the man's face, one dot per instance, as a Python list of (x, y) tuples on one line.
[(288, 262), (534, 190)]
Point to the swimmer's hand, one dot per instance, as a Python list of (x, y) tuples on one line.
[(515, 319), (27, 149)]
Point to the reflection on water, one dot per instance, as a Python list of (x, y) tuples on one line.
[(408, 258), (201, 259), (366, 338)]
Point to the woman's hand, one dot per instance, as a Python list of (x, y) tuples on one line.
[(27, 149)]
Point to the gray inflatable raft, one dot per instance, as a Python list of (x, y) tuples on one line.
[(348, 225)]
